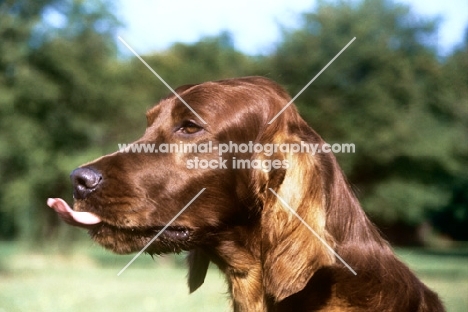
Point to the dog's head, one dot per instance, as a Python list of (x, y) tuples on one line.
[(213, 164)]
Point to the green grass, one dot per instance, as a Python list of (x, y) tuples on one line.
[(85, 279)]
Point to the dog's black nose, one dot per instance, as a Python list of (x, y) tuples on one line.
[(85, 181)]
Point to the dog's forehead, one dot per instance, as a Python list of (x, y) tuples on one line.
[(215, 100)]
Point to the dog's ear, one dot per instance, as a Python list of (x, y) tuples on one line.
[(198, 263), (294, 243)]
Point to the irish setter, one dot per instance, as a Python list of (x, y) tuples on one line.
[(274, 259)]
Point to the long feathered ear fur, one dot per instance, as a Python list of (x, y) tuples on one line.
[(291, 252)]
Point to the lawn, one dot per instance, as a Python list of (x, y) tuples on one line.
[(85, 279)]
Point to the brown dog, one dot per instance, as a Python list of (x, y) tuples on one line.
[(274, 259)]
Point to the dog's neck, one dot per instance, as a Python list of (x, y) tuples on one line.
[(241, 263), (246, 289)]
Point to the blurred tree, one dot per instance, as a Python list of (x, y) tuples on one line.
[(453, 219), (16, 23), (66, 97), (57, 95), (385, 94)]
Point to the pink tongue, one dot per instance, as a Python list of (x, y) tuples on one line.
[(70, 216)]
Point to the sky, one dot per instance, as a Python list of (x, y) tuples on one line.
[(154, 25)]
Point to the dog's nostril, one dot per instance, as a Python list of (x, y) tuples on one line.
[(85, 180), (88, 181)]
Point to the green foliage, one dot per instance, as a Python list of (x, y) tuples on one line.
[(387, 94), (66, 97), (452, 219), (53, 94)]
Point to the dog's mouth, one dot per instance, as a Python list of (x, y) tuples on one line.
[(163, 239), (175, 233)]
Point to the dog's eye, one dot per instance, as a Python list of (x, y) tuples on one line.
[(189, 127)]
